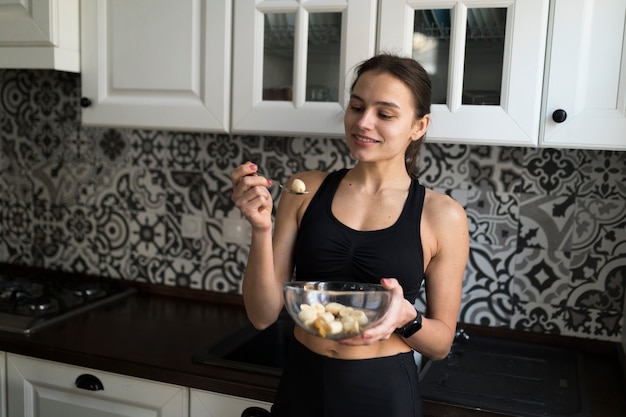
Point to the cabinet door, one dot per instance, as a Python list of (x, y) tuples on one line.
[(156, 63), (485, 58), (586, 76), (212, 404), (40, 34), (293, 62), (3, 390), (39, 388)]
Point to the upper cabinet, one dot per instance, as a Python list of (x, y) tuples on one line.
[(585, 84), (291, 63), (40, 34), (156, 63), (518, 72), (504, 72), (485, 59)]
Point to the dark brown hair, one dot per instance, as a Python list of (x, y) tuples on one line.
[(413, 75)]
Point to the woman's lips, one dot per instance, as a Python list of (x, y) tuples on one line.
[(364, 139)]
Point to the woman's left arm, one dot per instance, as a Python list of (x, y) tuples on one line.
[(445, 239), (447, 229)]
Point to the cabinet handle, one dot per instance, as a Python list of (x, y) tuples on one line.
[(255, 412), (89, 382), (559, 116), (85, 102)]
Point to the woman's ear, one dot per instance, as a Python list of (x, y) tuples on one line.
[(420, 126)]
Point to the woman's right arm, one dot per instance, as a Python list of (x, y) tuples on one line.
[(270, 262)]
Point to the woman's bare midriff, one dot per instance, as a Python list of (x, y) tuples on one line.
[(332, 349)]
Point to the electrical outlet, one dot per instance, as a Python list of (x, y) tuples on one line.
[(236, 231), (191, 226)]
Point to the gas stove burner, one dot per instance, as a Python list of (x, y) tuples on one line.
[(12, 291), (31, 301), (87, 290), (45, 307)]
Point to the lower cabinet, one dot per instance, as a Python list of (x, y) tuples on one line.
[(212, 404), (3, 389), (40, 388)]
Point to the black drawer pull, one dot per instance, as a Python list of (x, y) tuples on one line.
[(89, 382), (255, 412)]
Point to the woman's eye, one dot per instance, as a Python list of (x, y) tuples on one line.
[(385, 116), (356, 108)]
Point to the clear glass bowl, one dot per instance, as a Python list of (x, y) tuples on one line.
[(336, 310)]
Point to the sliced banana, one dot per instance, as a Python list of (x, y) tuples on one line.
[(332, 319), (298, 186)]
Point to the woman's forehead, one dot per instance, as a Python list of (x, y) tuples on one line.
[(382, 87)]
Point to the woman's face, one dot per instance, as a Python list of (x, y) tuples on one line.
[(380, 118)]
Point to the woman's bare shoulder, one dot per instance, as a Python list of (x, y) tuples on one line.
[(445, 231), (442, 209)]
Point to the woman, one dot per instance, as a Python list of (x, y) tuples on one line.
[(371, 223)]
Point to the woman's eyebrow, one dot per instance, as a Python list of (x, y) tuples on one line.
[(378, 103)]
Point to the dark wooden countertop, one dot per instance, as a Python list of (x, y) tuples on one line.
[(149, 336), (152, 335)]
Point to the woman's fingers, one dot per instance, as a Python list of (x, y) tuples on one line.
[(251, 196)]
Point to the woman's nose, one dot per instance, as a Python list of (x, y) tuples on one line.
[(366, 119)]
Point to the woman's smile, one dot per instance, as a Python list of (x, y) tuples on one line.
[(360, 139)]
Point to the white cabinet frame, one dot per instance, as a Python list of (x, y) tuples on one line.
[(586, 75), (3, 386), (40, 34), (253, 115), (35, 383), (516, 120), (123, 95)]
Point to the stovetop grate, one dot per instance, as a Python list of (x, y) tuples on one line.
[(29, 302)]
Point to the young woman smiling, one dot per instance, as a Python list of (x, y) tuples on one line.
[(372, 223)]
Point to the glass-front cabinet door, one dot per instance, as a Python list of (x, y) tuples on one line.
[(293, 62), (485, 59)]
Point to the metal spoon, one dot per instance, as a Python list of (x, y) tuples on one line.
[(288, 189)]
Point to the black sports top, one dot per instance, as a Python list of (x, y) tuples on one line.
[(328, 250)]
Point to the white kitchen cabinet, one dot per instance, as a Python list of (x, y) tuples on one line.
[(3, 390), (291, 60), (212, 404), (40, 388), (499, 108), (40, 34), (583, 78), (156, 64), (586, 76)]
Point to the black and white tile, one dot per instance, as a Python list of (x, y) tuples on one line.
[(547, 226)]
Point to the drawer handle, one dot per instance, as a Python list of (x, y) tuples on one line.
[(255, 412), (89, 382)]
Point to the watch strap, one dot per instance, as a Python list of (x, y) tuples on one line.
[(411, 327)]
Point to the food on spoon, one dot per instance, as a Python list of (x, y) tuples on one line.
[(298, 186), (332, 319)]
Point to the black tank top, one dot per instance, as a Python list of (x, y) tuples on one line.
[(328, 250)]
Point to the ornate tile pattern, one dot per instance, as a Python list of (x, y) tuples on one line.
[(547, 226)]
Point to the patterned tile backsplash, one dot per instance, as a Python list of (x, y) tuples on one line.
[(548, 226)]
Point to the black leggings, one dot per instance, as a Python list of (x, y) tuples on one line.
[(313, 385)]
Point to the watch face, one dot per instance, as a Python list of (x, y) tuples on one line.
[(411, 328)]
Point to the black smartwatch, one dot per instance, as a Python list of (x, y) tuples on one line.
[(411, 327)]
